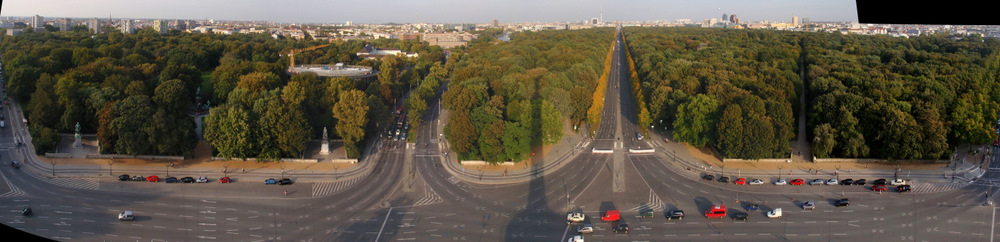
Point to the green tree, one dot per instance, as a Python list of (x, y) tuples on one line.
[(416, 106), (462, 134), (696, 120), (172, 96), (491, 142), (129, 125), (731, 131), (824, 139), (552, 126), (229, 129), (352, 114)]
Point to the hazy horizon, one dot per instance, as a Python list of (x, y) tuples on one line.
[(437, 11)]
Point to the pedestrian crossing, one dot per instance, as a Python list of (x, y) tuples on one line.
[(320, 189), (83, 183), (14, 191), (453, 180), (654, 204), (936, 187), (430, 197)]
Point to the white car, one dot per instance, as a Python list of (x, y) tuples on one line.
[(781, 182), (585, 229), (776, 213), (202, 180), (897, 182), (575, 218), (832, 181), (756, 182), (578, 238), (126, 216)]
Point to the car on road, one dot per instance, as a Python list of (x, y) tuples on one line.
[(124, 177), (809, 205), (741, 181), (575, 217), (756, 182), (860, 182), (897, 182), (879, 182), (152, 178), (816, 182), (585, 229), (676, 214), (170, 180), (776, 213), (797, 182), (187, 179), (26, 212), (708, 177), (832, 182), (225, 180), (843, 202), (847, 182), (741, 216), (878, 188), (611, 215), (903, 188), (15, 164), (270, 181), (202, 180), (638, 136), (780, 182), (646, 213), (126, 216), (577, 238), (285, 181), (717, 211), (724, 179), (753, 207), (621, 228)]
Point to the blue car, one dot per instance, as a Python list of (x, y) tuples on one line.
[(752, 207), (270, 181), (170, 180)]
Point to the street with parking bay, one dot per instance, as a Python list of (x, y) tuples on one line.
[(415, 191)]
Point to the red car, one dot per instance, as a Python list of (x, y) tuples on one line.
[(741, 181), (152, 179), (224, 180), (797, 182), (878, 188)]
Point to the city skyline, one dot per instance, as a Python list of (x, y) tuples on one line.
[(439, 11)]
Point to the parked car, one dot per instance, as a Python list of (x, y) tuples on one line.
[(897, 182), (756, 182), (878, 188), (676, 214), (585, 229), (741, 181), (741, 216), (224, 180), (797, 182), (202, 179), (187, 179), (724, 179), (903, 188), (124, 177), (780, 182), (843, 202), (879, 182), (860, 182), (832, 182), (816, 182), (285, 181), (170, 180), (776, 213), (152, 178), (575, 217), (708, 177), (847, 182), (138, 178), (809, 205), (270, 181)]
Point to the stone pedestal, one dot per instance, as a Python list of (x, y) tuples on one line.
[(77, 143), (325, 149)]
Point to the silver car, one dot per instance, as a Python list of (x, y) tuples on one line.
[(817, 182), (832, 181)]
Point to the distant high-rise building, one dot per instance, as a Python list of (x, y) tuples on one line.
[(126, 26), (725, 17), (94, 25), (160, 26), (37, 21), (732, 18), (496, 23), (180, 24), (348, 23), (65, 24), (795, 20), (594, 21)]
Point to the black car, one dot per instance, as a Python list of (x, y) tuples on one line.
[(860, 182), (124, 177), (903, 188), (187, 180), (170, 180), (843, 202), (26, 212), (285, 181), (621, 228), (724, 179), (15, 164), (138, 178), (708, 177), (741, 216), (847, 182), (676, 214), (879, 182)]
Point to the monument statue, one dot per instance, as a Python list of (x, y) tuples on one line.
[(77, 143), (325, 149), (324, 134)]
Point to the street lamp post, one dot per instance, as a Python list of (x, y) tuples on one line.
[(53, 162), (838, 172), (282, 171), (225, 169), (111, 164), (171, 164)]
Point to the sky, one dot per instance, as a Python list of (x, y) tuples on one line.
[(436, 11)]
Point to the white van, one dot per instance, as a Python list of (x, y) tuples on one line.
[(126, 216)]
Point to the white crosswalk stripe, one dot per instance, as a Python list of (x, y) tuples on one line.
[(84, 183), (327, 188), (453, 180), (430, 197), (654, 204), (14, 191), (936, 187)]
